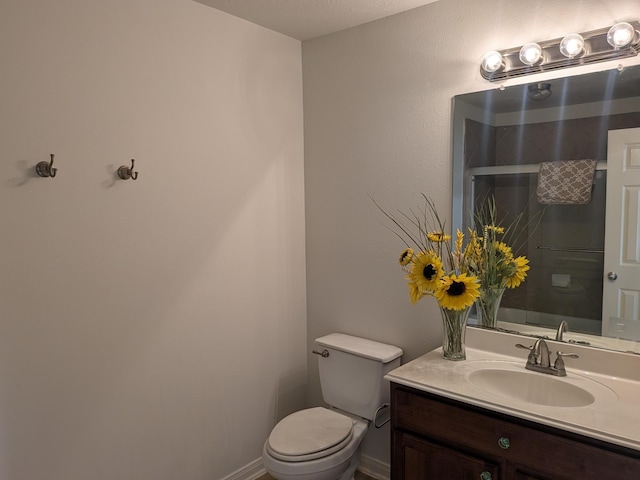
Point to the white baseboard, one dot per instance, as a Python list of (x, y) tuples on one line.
[(249, 472), (374, 468), (368, 465)]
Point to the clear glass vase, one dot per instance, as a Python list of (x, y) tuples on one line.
[(454, 327), (487, 306)]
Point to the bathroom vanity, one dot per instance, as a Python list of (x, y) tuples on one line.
[(488, 418)]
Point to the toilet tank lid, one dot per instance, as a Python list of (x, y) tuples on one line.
[(363, 347)]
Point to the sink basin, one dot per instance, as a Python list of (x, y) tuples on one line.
[(531, 387), (507, 379)]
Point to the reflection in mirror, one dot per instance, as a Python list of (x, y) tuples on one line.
[(501, 138)]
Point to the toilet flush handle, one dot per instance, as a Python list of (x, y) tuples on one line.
[(323, 353), (381, 408)]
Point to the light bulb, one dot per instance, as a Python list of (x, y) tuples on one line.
[(572, 45), (620, 35), (492, 61), (530, 53)]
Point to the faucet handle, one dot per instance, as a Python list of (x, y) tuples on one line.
[(559, 363), (532, 359), (568, 355)]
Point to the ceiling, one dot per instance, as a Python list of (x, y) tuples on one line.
[(306, 19)]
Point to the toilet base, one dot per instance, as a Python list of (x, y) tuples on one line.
[(335, 473), (353, 466)]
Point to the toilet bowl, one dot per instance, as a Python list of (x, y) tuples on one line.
[(315, 444), (324, 443)]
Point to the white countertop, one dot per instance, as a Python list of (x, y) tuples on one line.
[(614, 416)]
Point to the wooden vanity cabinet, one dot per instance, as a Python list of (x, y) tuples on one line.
[(433, 437)]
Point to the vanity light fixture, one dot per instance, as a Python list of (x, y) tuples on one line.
[(572, 45), (621, 35), (492, 61), (619, 41), (530, 54)]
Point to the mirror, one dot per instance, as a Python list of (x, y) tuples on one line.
[(500, 137)]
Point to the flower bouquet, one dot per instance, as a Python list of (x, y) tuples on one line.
[(436, 267), (492, 260)]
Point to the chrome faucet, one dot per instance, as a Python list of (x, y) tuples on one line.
[(539, 359), (562, 328), (541, 353)]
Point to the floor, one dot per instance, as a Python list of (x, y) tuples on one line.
[(359, 476)]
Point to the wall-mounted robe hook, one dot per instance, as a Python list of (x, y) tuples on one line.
[(45, 169), (126, 173)]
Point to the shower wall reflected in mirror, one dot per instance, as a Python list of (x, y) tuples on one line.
[(564, 243)]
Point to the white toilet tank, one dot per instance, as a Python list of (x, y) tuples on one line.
[(351, 376)]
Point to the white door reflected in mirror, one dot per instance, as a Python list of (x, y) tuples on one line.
[(621, 289)]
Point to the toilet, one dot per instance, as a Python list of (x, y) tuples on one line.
[(324, 443)]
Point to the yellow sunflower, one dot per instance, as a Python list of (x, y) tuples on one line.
[(457, 292), (405, 257), (503, 249), (438, 237), (426, 271), (414, 293), (521, 268)]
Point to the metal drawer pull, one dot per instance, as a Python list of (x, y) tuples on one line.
[(504, 443), (485, 476)]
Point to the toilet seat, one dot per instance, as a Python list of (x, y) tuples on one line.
[(309, 434)]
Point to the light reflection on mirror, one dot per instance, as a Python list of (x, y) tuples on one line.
[(500, 137)]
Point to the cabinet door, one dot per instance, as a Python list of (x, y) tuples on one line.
[(423, 460), (519, 474), (528, 452)]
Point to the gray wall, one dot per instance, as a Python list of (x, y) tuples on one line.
[(377, 103), (152, 329)]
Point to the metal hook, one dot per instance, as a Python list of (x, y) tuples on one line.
[(45, 169), (126, 173)]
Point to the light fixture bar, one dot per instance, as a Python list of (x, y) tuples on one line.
[(596, 49)]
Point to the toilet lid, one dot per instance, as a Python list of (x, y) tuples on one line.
[(314, 432)]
